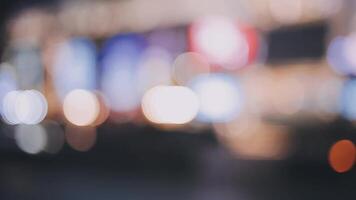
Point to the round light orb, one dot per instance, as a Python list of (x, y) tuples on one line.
[(220, 97), (8, 108), (81, 107), (170, 105), (342, 156), (341, 55), (220, 40), (31, 139), (30, 107)]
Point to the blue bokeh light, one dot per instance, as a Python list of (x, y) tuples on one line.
[(75, 66), (119, 61)]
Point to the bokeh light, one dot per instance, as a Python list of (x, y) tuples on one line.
[(119, 62), (31, 139), (8, 108), (220, 97), (341, 54), (74, 66), (31, 107), (170, 105), (81, 107), (257, 50), (220, 40), (7, 81), (342, 156), (104, 110), (349, 50), (28, 107), (80, 138), (347, 100)]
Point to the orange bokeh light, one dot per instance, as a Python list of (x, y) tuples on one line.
[(342, 156)]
